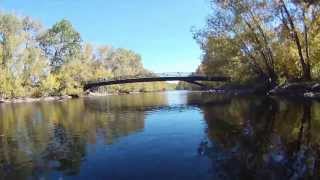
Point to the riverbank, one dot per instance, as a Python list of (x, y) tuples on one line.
[(49, 98), (30, 99), (65, 97), (309, 90)]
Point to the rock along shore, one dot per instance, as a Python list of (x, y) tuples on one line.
[(58, 98), (308, 90), (28, 99)]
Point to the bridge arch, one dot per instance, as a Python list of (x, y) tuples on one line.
[(153, 77)]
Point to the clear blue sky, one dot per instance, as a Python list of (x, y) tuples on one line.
[(159, 30)]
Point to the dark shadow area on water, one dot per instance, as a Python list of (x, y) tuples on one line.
[(263, 138)]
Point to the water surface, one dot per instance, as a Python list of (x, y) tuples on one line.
[(169, 135)]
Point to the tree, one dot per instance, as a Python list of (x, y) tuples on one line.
[(273, 39), (34, 67), (243, 23), (125, 62), (10, 29), (56, 62), (299, 13), (60, 43)]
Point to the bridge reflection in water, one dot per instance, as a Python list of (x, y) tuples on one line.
[(154, 77)]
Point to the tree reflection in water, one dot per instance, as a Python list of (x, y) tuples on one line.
[(245, 138), (41, 138), (256, 138)]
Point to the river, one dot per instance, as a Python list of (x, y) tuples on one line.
[(165, 135)]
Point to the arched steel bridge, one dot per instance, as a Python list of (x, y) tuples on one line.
[(153, 77)]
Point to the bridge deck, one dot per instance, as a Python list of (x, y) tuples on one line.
[(190, 78)]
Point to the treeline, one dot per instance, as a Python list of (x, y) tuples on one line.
[(35, 61), (274, 41)]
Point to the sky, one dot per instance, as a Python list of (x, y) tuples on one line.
[(158, 30)]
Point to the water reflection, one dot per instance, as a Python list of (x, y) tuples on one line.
[(263, 138), (38, 138), (177, 135)]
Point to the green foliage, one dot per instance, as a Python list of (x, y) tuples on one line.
[(55, 62), (60, 43), (185, 86), (10, 35), (268, 40), (50, 85)]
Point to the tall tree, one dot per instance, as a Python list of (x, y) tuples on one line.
[(31, 29), (125, 62), (273, 37), (245, 23), (298, 17), (10, 29), (60, 43)]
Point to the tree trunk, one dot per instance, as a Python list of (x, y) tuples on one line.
[(270, 70), (265, 39), (306, 42), (305, 68)]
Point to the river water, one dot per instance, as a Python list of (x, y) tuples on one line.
[(168, 135)]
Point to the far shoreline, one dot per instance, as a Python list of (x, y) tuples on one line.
[(307, 91), (18, 100)]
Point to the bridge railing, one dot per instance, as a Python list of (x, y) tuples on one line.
[(145, 75)]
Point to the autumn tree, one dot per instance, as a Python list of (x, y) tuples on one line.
[(36, 62), (60, 43), (270, 39), (299, 20)]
